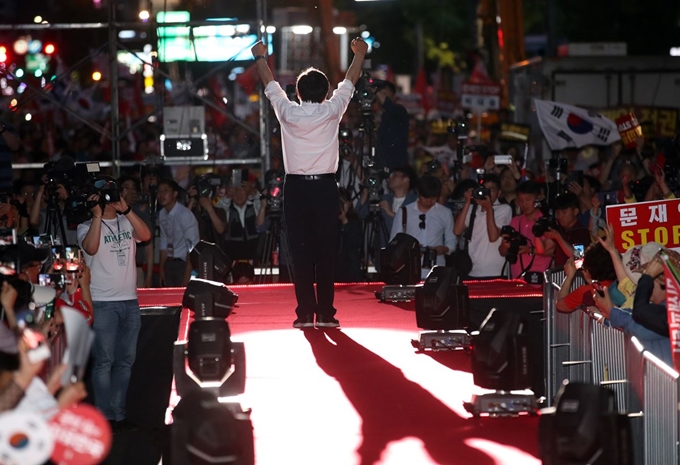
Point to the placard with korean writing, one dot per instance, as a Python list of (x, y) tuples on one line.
[(643, 222)]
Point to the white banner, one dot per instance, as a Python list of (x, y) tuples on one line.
[(566, 126)]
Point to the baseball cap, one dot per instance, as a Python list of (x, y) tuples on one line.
[(637, 257)]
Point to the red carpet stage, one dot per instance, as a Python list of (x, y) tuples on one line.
[(360, 394)]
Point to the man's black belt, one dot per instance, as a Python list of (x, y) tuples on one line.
[(311, 177)]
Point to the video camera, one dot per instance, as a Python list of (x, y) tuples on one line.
[(516, 240), (80, 180), (207, 184), (375, 173), (274, 193), (363, 94), (481, 192), (346, 142), (542, 225)]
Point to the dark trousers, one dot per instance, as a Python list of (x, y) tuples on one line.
[(311, 210)]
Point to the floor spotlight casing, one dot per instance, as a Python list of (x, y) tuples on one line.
[(584, 427), (209, 298), (209, 349), (210, 261), (400, 260)]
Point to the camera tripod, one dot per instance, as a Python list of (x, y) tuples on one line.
[(375, 236), (274, 238), (54, 224)]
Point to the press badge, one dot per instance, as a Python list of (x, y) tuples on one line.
[(121, 258)]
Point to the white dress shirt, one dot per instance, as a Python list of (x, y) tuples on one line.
[(179, 227), (438, 228), (309, 131)]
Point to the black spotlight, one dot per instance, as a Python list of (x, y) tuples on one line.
[(442, 304), (210, 261), (500, 355), (210, 360), (500, 361), (442, 311), (209, 349), (400, 260), (208, 298), (584, 427), (207, 431)]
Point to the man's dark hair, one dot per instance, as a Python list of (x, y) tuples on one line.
[(593, 182), (312, 85), (461, 187), (409, 173), (529, 187), (126, 178), (598, 262), (492, 177), (386, 84), (429, 186), (242, 270), (170, 183), (566, 201)]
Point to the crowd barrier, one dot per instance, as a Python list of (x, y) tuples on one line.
[(582, 349)]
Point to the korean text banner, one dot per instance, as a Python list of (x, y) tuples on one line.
[(643, 222)]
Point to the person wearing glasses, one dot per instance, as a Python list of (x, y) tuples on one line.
[(487, 262), (429, 222)]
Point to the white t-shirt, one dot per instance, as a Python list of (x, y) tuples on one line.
[(486, 259), (113, 267), (397, 202)]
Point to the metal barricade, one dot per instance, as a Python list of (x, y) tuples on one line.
[(566, 339), (660, 417), (609, 361), (581, 349)]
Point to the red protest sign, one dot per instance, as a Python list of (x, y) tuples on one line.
[(673, 311), (82, 436), (629, 129), (643, 222)]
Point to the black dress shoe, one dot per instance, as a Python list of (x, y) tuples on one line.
[(304, 322), (326, 322)]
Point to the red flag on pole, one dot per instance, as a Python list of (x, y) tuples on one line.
[(673, 306)]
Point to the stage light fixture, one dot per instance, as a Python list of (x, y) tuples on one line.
[(210, 261), (50, 49), (209, 349), (210, 360), (205, 430), (501, 361), (584, 426), (442, 308), (208, 298), (400, 260)]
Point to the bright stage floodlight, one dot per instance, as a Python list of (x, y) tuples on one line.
[(208, 298), (210, 261)]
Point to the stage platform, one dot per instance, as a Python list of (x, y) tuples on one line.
[(361, 394)]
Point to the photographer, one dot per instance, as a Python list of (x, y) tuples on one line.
[(392, 144), (529, 256), (569, 231), (429, 222), (211, 221), (48, 200), (179, 234), (490, 216), (244, 219), (350, 172), (109, 242)]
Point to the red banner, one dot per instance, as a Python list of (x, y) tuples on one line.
[(629, 129), (673, 306), (643, 222)]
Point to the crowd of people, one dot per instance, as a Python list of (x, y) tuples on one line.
[(517, 219)]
